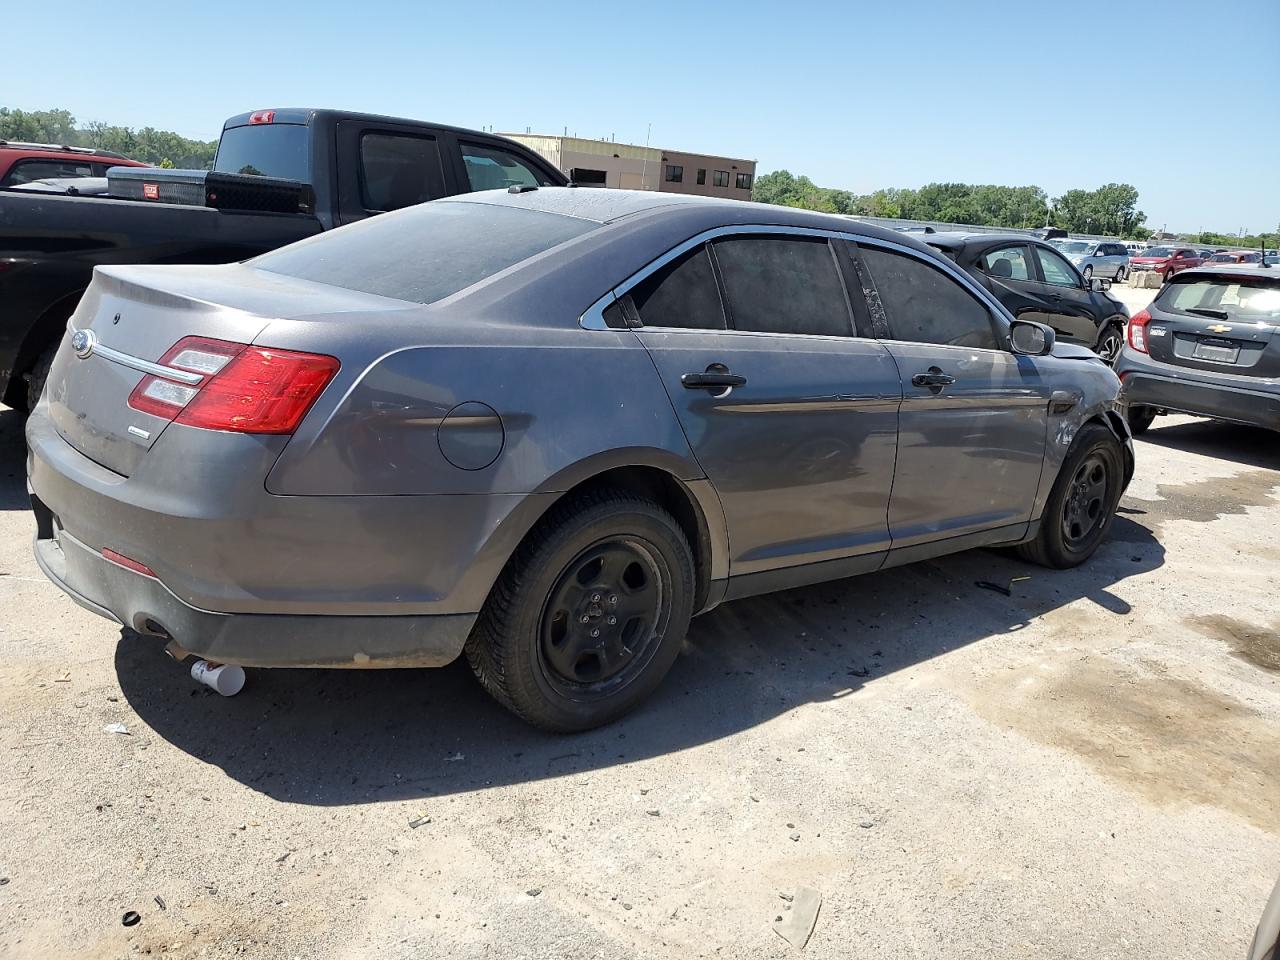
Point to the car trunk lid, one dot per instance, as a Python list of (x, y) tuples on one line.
[(131, 316)]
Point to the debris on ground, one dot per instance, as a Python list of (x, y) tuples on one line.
[(130, 918), (417, 822), (160, 902), (796, 837), (533, 891), (654, 813), (455, 758), (800, 921), (866, 824), (116, 728), (988, 585)]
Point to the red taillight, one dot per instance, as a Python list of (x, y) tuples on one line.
[(262, 116), (127, 563), (1138, 331), (242, 389)]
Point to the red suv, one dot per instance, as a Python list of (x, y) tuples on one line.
[(1165, 261), (24, 162)]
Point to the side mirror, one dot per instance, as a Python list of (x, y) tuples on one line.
[(1031, 339), (1098, 285)]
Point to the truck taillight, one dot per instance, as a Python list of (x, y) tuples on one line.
[(1138, 331), (242, 389), (262, 116)]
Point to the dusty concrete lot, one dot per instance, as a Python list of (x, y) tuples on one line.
[(1088, 768)]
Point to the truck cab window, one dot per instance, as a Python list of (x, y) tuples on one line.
[(398, 171)]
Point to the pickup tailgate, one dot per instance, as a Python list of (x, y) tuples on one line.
[(1222, 324), (131, 317)]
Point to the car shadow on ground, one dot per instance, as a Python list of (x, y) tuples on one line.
[(13, 469), (337, 737), (1234, 443), (349, 737)]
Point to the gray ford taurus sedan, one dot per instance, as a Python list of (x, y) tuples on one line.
[(544, 428)]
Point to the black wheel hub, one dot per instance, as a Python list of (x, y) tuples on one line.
[(603, 615), (1086, 504)]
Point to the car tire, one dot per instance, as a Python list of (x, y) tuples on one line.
[(606, 561), (38, 376), (1140, 418), (1120, 275), (1088, 273), (1082, 503), (1109, 344)]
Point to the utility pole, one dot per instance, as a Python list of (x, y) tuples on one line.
[(644, 164)]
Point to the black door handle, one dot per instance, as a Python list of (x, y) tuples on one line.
[(712, 381), (934, 378)]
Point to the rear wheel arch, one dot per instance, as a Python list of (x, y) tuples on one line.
[(46, 332)]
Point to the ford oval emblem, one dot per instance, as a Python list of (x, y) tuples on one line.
[(82, 342)]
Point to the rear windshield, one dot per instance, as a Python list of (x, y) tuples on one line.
[(1246, 299), (424, 253), (265, 150)]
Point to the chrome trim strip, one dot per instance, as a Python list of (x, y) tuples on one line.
[(100, 349)]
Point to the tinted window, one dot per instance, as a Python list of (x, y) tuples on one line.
[(702, 177), (1246, 299), (266, 150), (1056, 270), (681, 294), (493, 168), (424, 253), (24, 171), (924, 305), (1008, 263), (783, 285), (399, 171), (721, 178), (675, 173)]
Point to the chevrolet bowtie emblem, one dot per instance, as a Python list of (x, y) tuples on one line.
[(1219, 328), (82, 342)]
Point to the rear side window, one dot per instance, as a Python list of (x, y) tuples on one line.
[(399, 171), (924, 305), (1008, 263), (425, 253), (681, 294), (783, 285)]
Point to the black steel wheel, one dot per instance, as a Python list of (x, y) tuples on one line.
[(604, 616), (1086, 504), (589, 613), (1082, 502)]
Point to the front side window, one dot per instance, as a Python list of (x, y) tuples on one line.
[(783, 285), (398, 171), (425, 253), (681, 294), (924, 305), (675, 173), (1007, 263), (743, 181), (493, 168), (721, 178), (1056, 270), (702, 177)]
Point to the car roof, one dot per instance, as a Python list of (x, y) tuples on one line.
[(610, 206), (1232, 270), (953, 240)]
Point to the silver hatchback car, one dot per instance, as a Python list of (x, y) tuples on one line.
[(543, 428), (1107, 260)]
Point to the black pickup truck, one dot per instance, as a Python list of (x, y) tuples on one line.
[(348, 166)]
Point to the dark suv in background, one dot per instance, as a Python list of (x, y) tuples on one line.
[(1035, 282), (1207, 345)]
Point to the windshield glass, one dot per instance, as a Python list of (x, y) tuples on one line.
[(1244, 299), (424, 253), (1158, 252), (1222, 258), (265, 150), (1074, 247)]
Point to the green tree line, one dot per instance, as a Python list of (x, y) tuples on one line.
[(163, 148), (1110, 209)]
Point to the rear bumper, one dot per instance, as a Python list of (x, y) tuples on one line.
[(1148, 384), (252, 640)]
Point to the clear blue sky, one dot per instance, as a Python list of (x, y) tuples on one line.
[(855, 95)]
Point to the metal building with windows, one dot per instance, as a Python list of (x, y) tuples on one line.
[(605, 163)]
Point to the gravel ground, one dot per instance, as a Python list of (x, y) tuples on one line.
[(1090, 767)]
